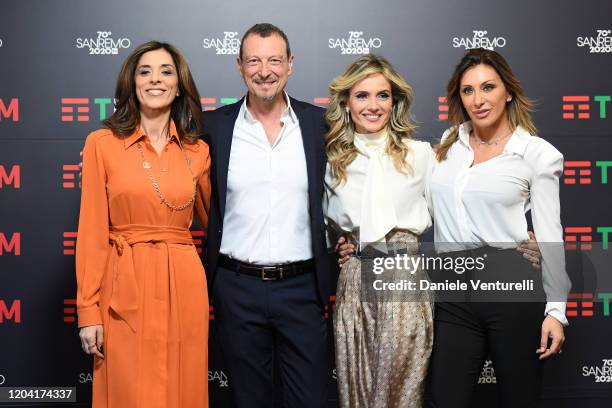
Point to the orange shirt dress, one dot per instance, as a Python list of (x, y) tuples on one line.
[(138, 272)]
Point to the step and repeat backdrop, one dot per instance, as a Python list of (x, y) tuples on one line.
[(58, 66)]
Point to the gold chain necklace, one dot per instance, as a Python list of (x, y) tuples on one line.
[(147, 166), (491, 142)]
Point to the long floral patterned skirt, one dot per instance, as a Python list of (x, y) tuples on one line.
[(383, 342)]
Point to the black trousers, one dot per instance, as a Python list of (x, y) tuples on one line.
[(265, 325), (466, 332)]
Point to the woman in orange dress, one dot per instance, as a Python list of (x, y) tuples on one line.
[(141, 291)]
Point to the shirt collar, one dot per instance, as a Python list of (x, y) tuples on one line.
[(516, 144), (287, 114), (139, 134)]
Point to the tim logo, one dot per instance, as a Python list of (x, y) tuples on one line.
[(9, 110), (79, 109), (69, 243), (579, 304), (581, 171), (218, 376), (480, 39), (579, 106), (10, 312), (228, 45), (442, 108), (582, 237), (198, 237), (582, 304), (10, 244), (321, 101), (209, 104), (11, 177), (331, 305), (69, 310), (578, 236), (70, 175)]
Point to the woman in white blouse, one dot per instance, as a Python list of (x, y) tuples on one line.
[(491, 170), (375, 195)]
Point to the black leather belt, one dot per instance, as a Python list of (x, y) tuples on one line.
[(267, 272)]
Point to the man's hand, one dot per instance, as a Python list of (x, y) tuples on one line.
[(531, 250), (344, 250)]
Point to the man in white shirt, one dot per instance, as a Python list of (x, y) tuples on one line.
[(266, 260)]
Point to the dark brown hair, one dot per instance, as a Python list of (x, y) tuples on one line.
[(186, 108), (265, 30), (519, 108)]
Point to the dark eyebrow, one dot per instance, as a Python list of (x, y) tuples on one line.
[(163, 66)]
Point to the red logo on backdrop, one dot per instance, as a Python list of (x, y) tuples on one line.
[(582, 169), (331, 304), (13, 176), (70, 175), (575, 104), (211, 313), (323, 102), (10, 110), (579, 304), (575, 235), (78, 109), (12, 312), (198, 237), (75, 109), (442, 108), (208, 104), (69, 242), (12, 244), (69, 310)]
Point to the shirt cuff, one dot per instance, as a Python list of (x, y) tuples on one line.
[(557, 310), (89, 316)]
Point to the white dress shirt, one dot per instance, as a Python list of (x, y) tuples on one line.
[(485, 204), (376, 198), (266, 212)]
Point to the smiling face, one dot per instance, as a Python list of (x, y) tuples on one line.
[(370, 103), (156, 81), (484, 96), (265, 65)]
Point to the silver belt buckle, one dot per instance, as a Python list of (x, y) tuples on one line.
[(264, 276)]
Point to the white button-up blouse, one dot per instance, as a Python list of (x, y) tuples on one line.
[(485, 204)]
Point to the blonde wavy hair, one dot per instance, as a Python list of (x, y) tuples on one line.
[(339, 145), (519, 108)]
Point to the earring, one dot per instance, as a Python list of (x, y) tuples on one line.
[(347, 117)]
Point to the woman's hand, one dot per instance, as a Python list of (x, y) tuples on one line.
[(92, 339), (531, 250), (344, 250), (553, 329)]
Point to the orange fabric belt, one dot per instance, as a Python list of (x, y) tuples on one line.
[(124, 297)]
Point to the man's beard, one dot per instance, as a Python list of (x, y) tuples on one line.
[(267, 97)]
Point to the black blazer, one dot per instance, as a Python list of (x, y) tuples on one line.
[(218, 133)]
